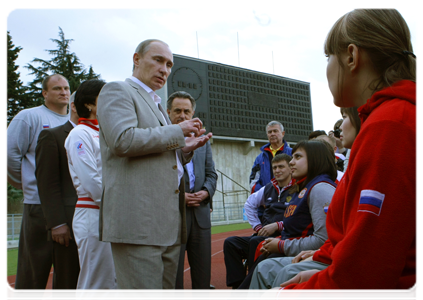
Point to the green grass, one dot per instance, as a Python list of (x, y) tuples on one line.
[(12, 261), (12, 254), (230, 227)]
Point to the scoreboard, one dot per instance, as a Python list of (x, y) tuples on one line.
[(237, 102)]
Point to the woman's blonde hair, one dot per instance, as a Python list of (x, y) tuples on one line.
[(384, 35)]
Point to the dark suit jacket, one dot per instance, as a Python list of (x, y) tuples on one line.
[(205, 179), (55, 188)]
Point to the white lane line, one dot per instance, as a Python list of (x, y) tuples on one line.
[(217, 253), (219, 240), (211, 256)]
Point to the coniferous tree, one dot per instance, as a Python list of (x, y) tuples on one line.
[(63, 62), (17, 99)]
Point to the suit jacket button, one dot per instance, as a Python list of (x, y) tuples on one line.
[(175, 167), (176, 191)]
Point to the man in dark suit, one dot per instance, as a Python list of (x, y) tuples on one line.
[(200, 185), (58, 198)]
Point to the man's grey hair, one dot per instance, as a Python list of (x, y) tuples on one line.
[(273, 123), (143, 47), (180, 94)]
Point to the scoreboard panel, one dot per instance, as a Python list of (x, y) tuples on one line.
[(237, 102)]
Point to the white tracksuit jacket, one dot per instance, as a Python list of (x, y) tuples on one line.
[(84, 160)]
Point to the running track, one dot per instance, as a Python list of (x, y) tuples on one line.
[(218, 272)]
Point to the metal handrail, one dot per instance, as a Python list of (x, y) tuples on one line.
[(239, 191), (226, 176)]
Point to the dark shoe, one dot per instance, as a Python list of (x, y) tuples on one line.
[(212, 287)]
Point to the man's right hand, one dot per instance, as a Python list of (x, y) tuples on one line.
[(61, 235), (192, 126)]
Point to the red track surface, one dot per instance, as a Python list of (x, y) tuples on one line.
[(218, 272)]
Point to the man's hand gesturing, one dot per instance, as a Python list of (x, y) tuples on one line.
[(192, 126)]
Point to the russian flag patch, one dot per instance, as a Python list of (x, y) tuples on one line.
[(371, 201), (325, 208), (46, 126)]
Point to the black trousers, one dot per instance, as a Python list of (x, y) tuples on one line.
[(37, 253), (198, 248), (235, 249)]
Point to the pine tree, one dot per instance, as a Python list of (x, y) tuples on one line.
[(63, 62), (17, 99)]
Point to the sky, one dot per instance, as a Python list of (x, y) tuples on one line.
[(284, 38)]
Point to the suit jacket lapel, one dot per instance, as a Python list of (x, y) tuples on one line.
[(67, 127), (147, 98), (164, 114)]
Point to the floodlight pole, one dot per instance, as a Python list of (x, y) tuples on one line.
[(198, 50), (237, 37)]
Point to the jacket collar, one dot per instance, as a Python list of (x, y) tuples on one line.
[(67, 127), (147, 98)]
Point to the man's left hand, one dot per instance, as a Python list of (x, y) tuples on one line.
[(192, 142), (61, 235)]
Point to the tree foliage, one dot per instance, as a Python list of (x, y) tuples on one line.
[(63, 62), (14, 200), (17, 99)]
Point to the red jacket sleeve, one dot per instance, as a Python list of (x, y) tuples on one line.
[(323, 255)]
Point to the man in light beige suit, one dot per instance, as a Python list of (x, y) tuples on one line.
[(143, 154)]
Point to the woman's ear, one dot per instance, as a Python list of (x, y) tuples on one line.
[(352, 57), (89, 106)]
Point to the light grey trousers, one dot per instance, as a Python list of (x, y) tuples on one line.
[(272, 272), (146, 266)]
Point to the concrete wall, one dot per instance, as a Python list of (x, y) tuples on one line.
[(235, 159)]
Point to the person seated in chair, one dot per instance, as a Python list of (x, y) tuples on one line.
[(275, 197)]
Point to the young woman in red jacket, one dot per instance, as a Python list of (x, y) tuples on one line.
[(371, 222)]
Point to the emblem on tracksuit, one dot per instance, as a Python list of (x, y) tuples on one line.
[(288, 199), (302, 193), (326, 207), (80, 150)]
